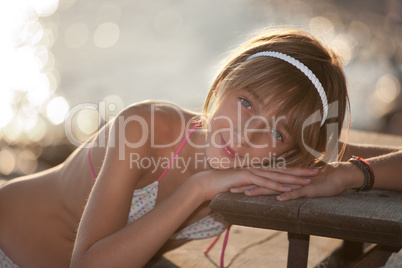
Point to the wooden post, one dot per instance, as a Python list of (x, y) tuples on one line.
[(351, 250), (298, 250)]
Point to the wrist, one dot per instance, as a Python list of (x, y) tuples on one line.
[(195, 185), (367, 171), (353, 176)]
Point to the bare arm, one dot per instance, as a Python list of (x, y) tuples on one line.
[(135, 244), (366, 150), (102, 229), (385, 162)]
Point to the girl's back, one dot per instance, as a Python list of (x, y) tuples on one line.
[(36, 228)]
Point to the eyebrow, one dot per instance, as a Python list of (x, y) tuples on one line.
[(256, 97)]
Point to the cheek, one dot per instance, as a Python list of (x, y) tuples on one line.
[(226, 109), (215, 159), (221, 125), (264, 152), (211, 149), (271, 150), (263, 142)]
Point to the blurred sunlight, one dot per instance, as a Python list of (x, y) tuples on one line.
[(28, 84), (84, 61)]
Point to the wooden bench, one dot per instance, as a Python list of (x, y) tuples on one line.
[(357, 218)]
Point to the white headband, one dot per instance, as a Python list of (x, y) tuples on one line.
[(304, 69)]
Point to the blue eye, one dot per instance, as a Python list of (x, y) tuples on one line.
[(245, 103), (277, 134)]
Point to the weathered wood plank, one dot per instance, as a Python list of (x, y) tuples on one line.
[(374, 217), (259, 211)]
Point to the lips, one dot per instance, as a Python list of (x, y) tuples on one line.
[(229, 152)]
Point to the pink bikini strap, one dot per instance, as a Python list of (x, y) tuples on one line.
[(225, 243), (171, 161), (178, 150)]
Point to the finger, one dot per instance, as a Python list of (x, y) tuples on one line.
[(241, 189), (245, 178), (296, 193), (282, 177), (259, 191), (253, 190), (296, 171), (268, 183)]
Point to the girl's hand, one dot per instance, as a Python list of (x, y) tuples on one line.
[(331, 181), (266, 181), (292, 178)]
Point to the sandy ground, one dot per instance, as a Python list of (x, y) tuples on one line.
[(247, 247)]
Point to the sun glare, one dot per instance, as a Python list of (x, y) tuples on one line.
[(26, 68), (57, 110)]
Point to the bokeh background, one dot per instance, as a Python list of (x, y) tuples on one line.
[(71, 65)]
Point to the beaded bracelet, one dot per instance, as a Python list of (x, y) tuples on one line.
[(364, 166)]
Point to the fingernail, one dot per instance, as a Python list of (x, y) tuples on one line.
[(233, 188), (307, 179), (288, 187), (249, 190), (315, 169), (280, 196)]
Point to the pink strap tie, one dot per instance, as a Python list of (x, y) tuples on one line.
[(178, 150), (225, 242)]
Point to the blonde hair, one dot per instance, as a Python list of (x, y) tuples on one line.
[(293, 93)]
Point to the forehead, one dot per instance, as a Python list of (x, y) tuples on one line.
[(269, 103)]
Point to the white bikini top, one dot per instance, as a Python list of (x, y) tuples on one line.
[(145, 199)]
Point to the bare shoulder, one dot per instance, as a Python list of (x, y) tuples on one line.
[(159, 110), (160, 122), (143, 130)]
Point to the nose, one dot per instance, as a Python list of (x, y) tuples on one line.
[(254, 133)]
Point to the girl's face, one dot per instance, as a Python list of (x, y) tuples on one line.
[(244, 134)]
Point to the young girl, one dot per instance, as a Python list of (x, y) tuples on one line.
[(142, 185)]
